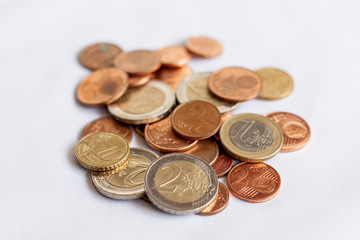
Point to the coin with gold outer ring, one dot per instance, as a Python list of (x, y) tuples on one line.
[(251, 137)]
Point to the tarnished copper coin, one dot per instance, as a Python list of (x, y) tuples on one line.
[(137, 81), (221, 202), (174, 56), (108, 124), (235, 84), (159, 135), (102, 87), (253, 182), (139, 62), (173, 76), (295, 130), (203, 46), (99, 55), (222, 164), (206, 149), (196, 120)]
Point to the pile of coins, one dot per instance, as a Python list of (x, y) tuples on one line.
[(187, 117)]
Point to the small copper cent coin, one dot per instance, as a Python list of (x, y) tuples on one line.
[(203, 46), (173, 76), (196, 120), (222, 201), (253, 182), (137, 81), (222, 164), (99, 55), (206, 149), (174, 56), (235, 84), (138, 62), (102, 87), (296, 131)]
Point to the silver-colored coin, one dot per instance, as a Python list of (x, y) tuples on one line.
[(145, 104), (129, 182), (195, 87), (181, 183)]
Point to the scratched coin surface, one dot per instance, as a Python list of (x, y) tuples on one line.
[(276, 83), (207, 150), (101, 151), (137, 81), (253, 182), (174, 56), (180, 183), (99, 55), (295, 130), (138, 62), (196, 120), (222, 201), (129, 182), (159, 135), (145, 104), (203, 46), (223, 164), (235, 84), (102, 87), (108, 124), (173, 76), (251, 137), (195, 87)]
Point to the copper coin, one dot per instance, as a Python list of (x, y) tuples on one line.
[(222, 164), (137, 81), (174, 56), (140, 129), (196, 120), (139, 62), (221, 202), (224, 116), (108, 124), (203, 46), (206, 149), (235, 84), (99, 55), (159, 135), (102, 87), (295, 130), (173, 76), (253, 182)]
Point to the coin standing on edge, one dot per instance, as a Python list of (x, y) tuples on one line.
[(251, 137), (138, 62), (99, 55), (203, 46), (145, 104), (129, 182), (174, 56), (173, 76), (220, 204), (180, 183)]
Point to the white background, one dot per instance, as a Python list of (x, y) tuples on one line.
[(45, 194)]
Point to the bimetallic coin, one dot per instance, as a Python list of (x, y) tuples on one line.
[(139, 62), (180, 183), (253, 182), (295, 130), (174, 56), (102, 151), (129, 182), (251, 137), (203, 46), (276, 84), (222, 201), (99, 55), (173, 76), (145, 104), (195, 87)]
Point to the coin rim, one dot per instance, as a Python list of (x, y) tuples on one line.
[(83, 51), (210, 212)]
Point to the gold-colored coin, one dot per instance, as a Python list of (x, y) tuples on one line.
[(251, 137), (102, 151), (113, 171), (276, 84)]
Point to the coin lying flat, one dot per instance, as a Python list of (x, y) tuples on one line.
[(295, 130), (195, 87), (253, 182), (145, 104), (174, 56), (137, 81), (140, 129), (180, 183), (138, 62), (251, 137), (222, 201), (99, 55), (129, 182), (173, 76), (102, 151), (223, 164), (203, 46), (207, 150), (276, 84)]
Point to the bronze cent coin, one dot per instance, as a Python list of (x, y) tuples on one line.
[(235, 84), (253, 182), (173, 76), (203, 46), (99, 55), (102, 87), (140, 129), (137, 81), (174, 56), (295, 130), (206, 149), (222, 164), (196, 120), (221, 202), (138, 62), (108, 124), (159, 135)]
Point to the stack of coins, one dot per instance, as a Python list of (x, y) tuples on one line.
[(187, 117)]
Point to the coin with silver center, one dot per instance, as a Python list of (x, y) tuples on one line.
[(181, 183), (145, 104), (129, 182), (195, 87)]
